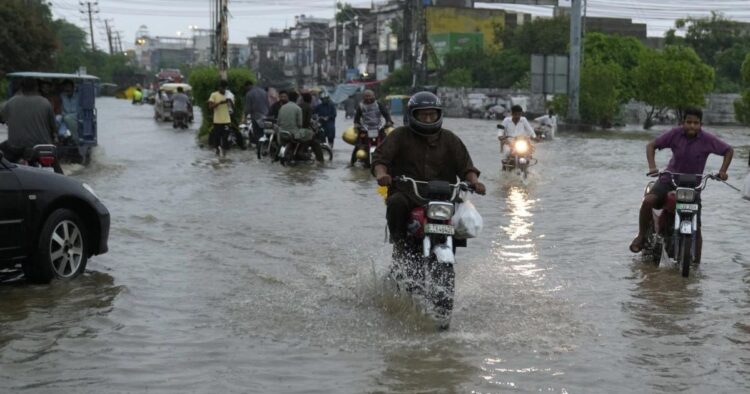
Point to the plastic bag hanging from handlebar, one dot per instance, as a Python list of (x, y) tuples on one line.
[(467, 221)]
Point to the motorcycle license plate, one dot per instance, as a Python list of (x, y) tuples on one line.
[(432, 228), (687, 207)]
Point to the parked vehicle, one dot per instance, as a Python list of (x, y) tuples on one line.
[(675, 227), (163, 101), (49, 224), (427, 267), (78, 147)]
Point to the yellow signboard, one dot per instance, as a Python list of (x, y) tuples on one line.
[(467, 20)]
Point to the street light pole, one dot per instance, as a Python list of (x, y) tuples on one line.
[(224, 42), (574, 75)]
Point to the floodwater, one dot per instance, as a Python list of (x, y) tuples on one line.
[(245, 276)]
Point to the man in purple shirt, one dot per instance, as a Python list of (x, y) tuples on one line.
[(691, 146)]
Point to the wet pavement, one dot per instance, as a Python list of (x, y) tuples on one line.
[(246, 276)]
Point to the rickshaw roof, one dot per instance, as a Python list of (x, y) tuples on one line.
[(41, 75), (170, 87)]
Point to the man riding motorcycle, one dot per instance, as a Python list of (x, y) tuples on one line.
[(180, 108), (423, 150), (368, 116), (514, 126), (690, 146), (31, 122)]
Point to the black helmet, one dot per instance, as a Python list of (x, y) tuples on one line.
[(424, 100)]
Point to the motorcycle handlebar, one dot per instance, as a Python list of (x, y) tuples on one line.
[(701, 186), (457, 187)]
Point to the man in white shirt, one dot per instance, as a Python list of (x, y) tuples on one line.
[(549, 120), (514, 126)]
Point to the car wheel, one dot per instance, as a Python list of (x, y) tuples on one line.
[(61, 249)]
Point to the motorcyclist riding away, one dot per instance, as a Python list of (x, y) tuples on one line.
[(691, 146), (369, 114), (180, 105), (423, 150), (515, 125)]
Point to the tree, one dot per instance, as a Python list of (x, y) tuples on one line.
[(720, 42), (541, 36), (488, 69), (673, 78), (742, 105), (622, 51), (398, 82), (600, 92), (458, 77), (27, 40)]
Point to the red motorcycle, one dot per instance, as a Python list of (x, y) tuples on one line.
[(675, 226), (427, 264)]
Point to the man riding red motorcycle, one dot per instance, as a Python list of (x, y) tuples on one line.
[(368, 122), (691, 146)]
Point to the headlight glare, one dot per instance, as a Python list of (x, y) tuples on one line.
[(521, 146)]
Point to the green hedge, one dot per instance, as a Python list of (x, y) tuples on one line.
[(205, 80)]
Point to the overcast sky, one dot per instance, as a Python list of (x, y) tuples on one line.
[(256, 17)]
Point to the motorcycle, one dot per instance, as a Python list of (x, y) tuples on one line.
[(674, 228), (292, 151), (237, 138), (42, 156), (180, 120), (368, 139), (427, 264), (519, 158), (543, 132), (268, 144)]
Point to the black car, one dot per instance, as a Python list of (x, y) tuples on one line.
[(49, 223)]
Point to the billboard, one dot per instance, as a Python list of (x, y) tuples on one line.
[(442, 43), (484, 22)]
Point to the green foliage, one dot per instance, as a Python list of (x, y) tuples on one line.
[(742, 105), (345, 12), (488, 69), (559, 104), (398, 82), (742, 108), (745, 70), (622, 51), (548, 36), (720, 42), (205, 80), (673, 78), (599, 100), (458, 77), (27, 39)]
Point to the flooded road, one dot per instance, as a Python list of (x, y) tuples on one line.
[(245, 276)]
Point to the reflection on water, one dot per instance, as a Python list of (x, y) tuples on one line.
[(518, 250), (437, 367)]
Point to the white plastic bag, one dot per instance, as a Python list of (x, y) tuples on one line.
[(746, 189), (467, 221)]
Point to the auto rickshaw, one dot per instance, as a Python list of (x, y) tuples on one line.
[(81, 123), (163, 103)]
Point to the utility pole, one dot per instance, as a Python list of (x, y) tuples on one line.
[(224, 38), (90, 12), (109, 35), (574, 72), (119, 42)]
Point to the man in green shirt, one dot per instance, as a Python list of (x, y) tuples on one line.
[(290, 119), (219, 104)]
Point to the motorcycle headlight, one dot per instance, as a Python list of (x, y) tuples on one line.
[(685, 195), (440, 210), (521, 146)]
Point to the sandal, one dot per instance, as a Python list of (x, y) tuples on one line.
[(637, 245)]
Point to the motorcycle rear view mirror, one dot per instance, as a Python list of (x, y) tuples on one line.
[(501, 127)]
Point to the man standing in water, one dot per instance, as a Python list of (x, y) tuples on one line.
[(219, 103), (691, 146)]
